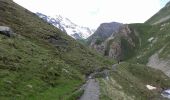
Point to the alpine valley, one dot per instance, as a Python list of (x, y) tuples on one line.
[(40, 58)]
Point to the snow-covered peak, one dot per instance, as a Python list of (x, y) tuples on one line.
[(66, 25)]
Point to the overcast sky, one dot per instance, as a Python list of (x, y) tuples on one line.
[(93, 12)]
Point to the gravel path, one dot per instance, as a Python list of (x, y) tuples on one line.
[(92, 90)]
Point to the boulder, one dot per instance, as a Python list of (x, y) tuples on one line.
[(7, 31)]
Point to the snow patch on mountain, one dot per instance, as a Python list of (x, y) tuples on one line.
[(66, 25)]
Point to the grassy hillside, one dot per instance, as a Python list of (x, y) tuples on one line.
[(41, 62)]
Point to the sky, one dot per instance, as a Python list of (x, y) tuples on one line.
[(92, 13)]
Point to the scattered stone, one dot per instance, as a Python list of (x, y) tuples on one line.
[(107, 78), (151, 87), (30, 86), (65, 70), (161, 28), (150, 39), (90, 77)]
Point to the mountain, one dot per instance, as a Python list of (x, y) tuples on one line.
[(66, 25)]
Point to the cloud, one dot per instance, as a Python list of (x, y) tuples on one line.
[(93, 12)]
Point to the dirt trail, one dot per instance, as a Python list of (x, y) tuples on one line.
[(92, 90)]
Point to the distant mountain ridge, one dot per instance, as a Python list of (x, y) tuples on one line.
[(67, 26)]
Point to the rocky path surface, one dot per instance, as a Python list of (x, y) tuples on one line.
[(92, 90)]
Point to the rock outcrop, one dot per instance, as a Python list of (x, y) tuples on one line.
[(7, 31)]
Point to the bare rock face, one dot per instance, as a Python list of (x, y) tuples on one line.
[(7, 31), (126, 33), (114, 46), (115, 50)]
